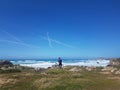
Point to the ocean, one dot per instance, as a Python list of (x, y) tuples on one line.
[(45, 63)]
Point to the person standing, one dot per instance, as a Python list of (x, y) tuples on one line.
[(60, 62)]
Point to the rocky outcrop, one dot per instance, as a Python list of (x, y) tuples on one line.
[(90, 68), (109, 69), (117, 72), (5, 63), (40, 69), (115, 62), (75, 69)]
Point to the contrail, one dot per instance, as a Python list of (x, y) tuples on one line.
[(50, 40), (14, 42), (61, 43), (17, 40), (20, 43), (12, 36)]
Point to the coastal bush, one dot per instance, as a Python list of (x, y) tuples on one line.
[(10, 71)]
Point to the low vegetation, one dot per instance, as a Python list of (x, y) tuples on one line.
[(9, 71), (15, 77), (59, 79)]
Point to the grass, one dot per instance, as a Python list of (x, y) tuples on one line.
[(60, 79)]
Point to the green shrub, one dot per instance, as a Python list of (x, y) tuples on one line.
[(10, 71)]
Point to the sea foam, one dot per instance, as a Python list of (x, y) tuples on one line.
[(48, 63)]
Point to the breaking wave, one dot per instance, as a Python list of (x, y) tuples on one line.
[(48, 63)]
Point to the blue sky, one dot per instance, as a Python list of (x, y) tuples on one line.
[(53, 28)]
